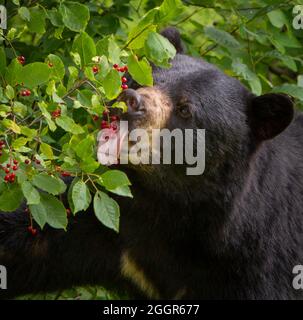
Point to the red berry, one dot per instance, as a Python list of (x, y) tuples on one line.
[(2, 142), (7, 170), (15, 161), (116, 66), (124, 86), (104, 125), (65, 174), (38, 162), (125, 68), (7, 177), (114, 126), (23, 93), (8, 165), (15, 168), (95, 118), (28, 93), (50, 65), (27, 161), (95, 69), (105, 113), (114, 118), (124, 80), (21, 59)]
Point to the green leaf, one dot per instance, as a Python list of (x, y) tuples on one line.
[(30, 133), (10, 92), (140, 70), (107, 210), (46, 150), (13, 73), (58, 69), (290, 89), (169, 10), (113, 179), (221, 37), (74, 15), (50, 210), (18, 143), (24, 13), (43, 107), (69, 125), (10, 124), (243, 71), (49, 183), (123, 191), (19, 108), (2, 60), (36, 23), (84, 45), (112, 84), (85, 148), (113, 52), (11, 198), (277, 18), (30, 193), (81, 196), (158, 49), (34, 74)]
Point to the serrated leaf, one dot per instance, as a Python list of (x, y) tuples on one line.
[(69, 125), (49, 183), (34, 74), (140, 70), (113, 179), (50, 210), (158, 49), (57, 69), (11, 198), (36, 24), (84, 45), (74, 15), (221, 37), (107, 210), (112, 84), (290, 89), (46, 150), (81, 196), (30, 193), (10, 124), (24, 13)]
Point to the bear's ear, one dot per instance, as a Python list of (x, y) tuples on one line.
[(269, 115), (174, 37)]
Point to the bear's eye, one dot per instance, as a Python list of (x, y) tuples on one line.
[(184, 111)]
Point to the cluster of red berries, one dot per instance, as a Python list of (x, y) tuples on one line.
[(62, 172), (33, 231), (21, 59), (120, 69), (10, 175), (124, 86), (95, 69), (25, 93), (109, 122), (56, 113)]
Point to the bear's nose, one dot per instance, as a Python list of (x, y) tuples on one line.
[(132, 100)]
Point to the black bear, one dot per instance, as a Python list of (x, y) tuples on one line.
[(235, 232)]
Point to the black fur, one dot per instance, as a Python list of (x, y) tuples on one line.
[(233, 233)]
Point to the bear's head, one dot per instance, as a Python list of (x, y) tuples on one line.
[(194, 94)]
